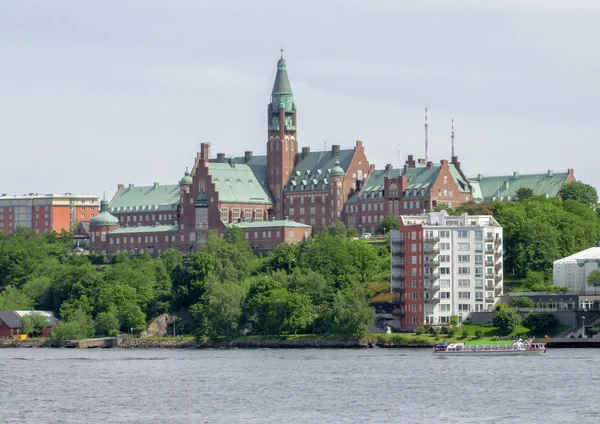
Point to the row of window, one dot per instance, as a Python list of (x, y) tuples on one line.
[(148, 218), (234, 214), (291, 199)]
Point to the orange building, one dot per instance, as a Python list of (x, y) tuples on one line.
[(44, 213)]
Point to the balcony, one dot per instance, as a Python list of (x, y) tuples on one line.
[(498, 266), (397, 241), (434, 276), (431, 239), (489, 239), (489, 300), (433, 299), (498, 241), (489, 263), (398, 312), (432, 252), (397, 301), (489, 288), (397, 265), (397, 253), (497, 254), (434, 288), (432, 264), (397, 277), (397, 288), (498, 278), (498, 292)]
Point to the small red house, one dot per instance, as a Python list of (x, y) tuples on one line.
[(10, 322)]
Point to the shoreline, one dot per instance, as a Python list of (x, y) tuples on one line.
[(258, 343)]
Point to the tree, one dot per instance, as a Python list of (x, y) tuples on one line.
[(283, 257), (580, 192), (523, 193), (34, 323), (541, 323), (12, 299), (223, 308), (350, 313), (522, 302), (338, 228), (506, 320), (107, 323), (389, 222), (593, 279)]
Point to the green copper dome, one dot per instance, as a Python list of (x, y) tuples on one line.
[(337, 170), (186, 180), (282, 82), (104, 218)]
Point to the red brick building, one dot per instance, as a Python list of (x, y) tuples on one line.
[(266, 235), (45, 213)]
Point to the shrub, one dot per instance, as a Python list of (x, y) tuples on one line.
[(478, 334), (419, 331)]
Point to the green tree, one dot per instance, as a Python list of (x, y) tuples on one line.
[(12, 299), (580, 192), (78, 325), (338, 228), (107, 323), (283, 311), (593, 279), (541, 323), (283, 257), (506, 320), (33, 323), (522, 302), (523, 193), (389, 222), (352, 233), (350, 313), (223, 308)]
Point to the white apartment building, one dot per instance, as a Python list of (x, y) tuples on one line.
[(445, 265)]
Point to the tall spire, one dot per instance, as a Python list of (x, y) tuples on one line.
[(426, 142), (282, 82), (452, 137)]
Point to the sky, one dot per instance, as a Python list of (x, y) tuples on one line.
[(93, 94)]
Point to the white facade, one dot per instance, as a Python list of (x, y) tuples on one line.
[(573, 270), (462, 264)]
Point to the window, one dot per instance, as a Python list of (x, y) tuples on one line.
[(291, 211), (445, 234), (478, 247), (464, 283), (301, 200), (312, 209), (464, 246), (235, 214), (291, 200), (291, 234), (444, 295), (301, 211), (414, 284), (464, 258), (444, 284), (464, 295), (444, 246), (414, 295), (478, 234), (478, 295), (463, 233), (464, 307), (258, 214), (464, 270), (444, 308), (445, 271), (224, 215), (478, 259), (445, 180), (247, 214)]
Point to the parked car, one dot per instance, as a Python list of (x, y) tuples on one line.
[(366, 236), (380, 236)]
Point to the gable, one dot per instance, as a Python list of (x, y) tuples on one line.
[(312, 172), (237, 183)]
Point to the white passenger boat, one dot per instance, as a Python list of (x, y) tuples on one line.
[(519, 347)]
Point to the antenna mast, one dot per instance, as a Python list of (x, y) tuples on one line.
[(452, 137), (426, 142)]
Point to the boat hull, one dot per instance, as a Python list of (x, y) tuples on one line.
[(492, 353)]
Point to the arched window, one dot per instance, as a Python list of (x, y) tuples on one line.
[(445, 180)]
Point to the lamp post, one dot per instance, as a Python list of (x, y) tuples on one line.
[(582, 327)]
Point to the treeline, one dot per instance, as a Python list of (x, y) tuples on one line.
[(224, 289)]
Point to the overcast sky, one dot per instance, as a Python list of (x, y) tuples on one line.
[(93, 94)]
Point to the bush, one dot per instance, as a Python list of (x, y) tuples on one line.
[(478, 334), (419, 331)]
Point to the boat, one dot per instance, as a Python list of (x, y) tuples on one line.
[(518, 347)]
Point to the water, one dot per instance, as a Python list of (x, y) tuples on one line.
[(295, 386)]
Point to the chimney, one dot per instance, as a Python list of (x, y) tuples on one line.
[(421, 161), (410, 161), (455, 159), (305, 152), (372, 167), (550, 173), (232, 162), (444, 163), (515, 174), (571, 172), (156, 185), (120, 186), (388, 166), (247, 156), (335, 150), (220, 157), (204, 150), (429, 164), (405, 169), (131, 186), (479, 177)]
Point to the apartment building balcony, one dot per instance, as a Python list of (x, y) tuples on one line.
[(497, 254), (432, 263), (397, 278), (489, 288), (397, 301), (434, 288), (498, 292), (498, 241), (489, 263), (489, 239), (431, 239), (397, 241), (478, 275), (396, 288), (433, 276), (397, 265), (489, 300), (432, 299), (498, 266), (398, 253), (498, 278), (398, 311), (432, 252)]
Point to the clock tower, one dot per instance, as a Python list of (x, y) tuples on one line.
[(282, 143)]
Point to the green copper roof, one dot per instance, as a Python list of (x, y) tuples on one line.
[(104, 218), (186, 180), (236, 183), (420, 177), (282, 82), (147, 198), (503, 187), (145, 229), (337, 170), (269, 224), (312, 172)]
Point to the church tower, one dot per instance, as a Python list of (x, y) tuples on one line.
[(282, 143)]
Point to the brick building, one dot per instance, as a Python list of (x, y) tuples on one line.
[(266, 235), (417, 187), (44, 213), (445, 265)]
